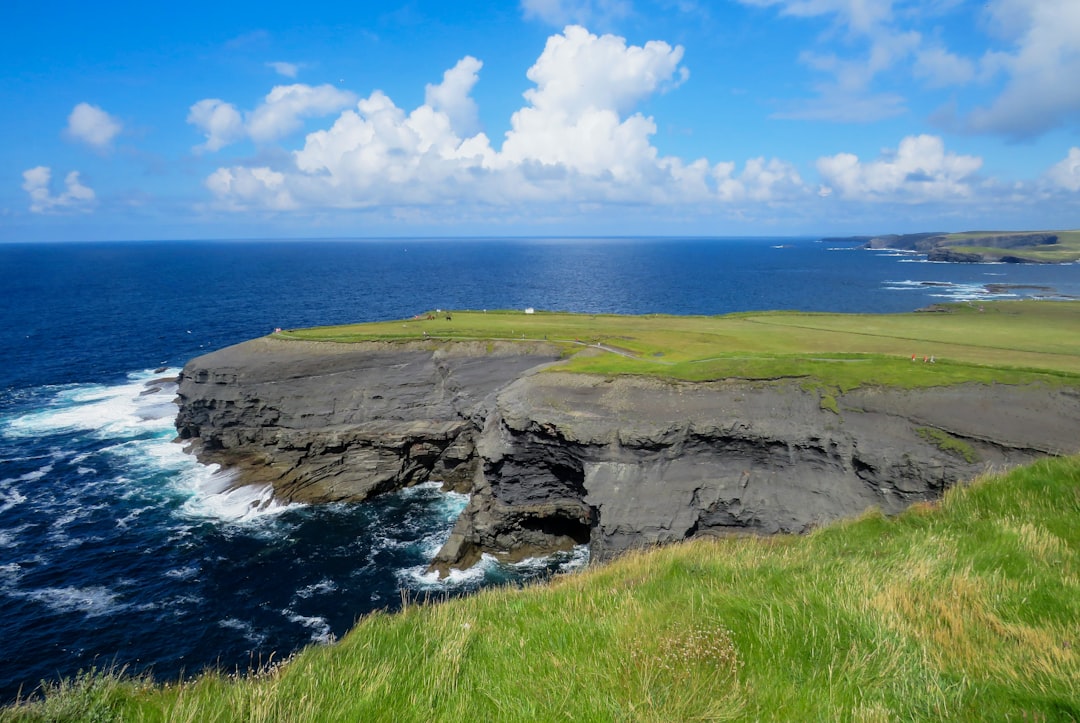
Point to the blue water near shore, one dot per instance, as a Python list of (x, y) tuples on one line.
[(116, 548)]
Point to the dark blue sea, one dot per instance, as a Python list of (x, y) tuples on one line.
[(118, 549)]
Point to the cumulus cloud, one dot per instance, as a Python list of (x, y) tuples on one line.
[(1066, 173), (576, 139), (75, 196), (920, 169), (584, 85), (91, 125), (1041, 69), (760, 180), (452, 95), (285, 105), (281, 113), (221, 122)]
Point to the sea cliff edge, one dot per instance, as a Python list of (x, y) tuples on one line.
[(554, 459)]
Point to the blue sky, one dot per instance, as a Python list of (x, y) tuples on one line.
[(539, 117)]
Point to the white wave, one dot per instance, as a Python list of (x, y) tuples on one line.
[(419, 576), (245, 628), (36, 474), (94, 601), (124, 521), (319, 626), (10, 574), (574, 559), (182, 573), (8, 538), (320, 588), (10, 496), (122, 410), (215, 495)]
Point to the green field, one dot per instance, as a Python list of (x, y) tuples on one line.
[(1007, 342), (967, 610)]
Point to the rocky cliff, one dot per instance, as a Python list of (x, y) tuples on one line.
[(555, 459)]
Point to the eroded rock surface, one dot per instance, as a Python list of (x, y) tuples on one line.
[(554, 459), (329, 422)]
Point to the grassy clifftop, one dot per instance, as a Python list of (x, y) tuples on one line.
[(1008, 342), (965, 610)]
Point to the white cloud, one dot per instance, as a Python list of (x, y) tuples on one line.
[(76, 196), (584, 83), (91, 125), (221, 122), (862, 16), (1066, 173), (452, 95), (1038, 62), (558, 13), (761, 180), (243, 182), (280, 114), (573, 141), (919, 170), (880, 45), (1041, 69), (940, 68), (289, 70)]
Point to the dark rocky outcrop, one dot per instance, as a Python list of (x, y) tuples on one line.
[(555, 459), (328, 422)]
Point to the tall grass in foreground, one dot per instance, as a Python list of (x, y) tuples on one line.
[(965, 610)]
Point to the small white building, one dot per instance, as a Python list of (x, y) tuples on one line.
[(530, 310)]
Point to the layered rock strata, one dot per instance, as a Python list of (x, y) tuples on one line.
[(554, 459)]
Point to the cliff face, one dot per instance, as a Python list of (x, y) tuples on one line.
[(329, 422), (555, 459)]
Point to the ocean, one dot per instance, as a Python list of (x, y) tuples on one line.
[(117, 549)]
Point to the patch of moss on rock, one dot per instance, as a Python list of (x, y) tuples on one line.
[(828, 401), (948, 443)]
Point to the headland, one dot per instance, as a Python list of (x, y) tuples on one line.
[(625, 432), (1011, 247)]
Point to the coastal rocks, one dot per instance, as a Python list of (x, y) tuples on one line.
[(553, 460), (328, 422), (630, 462)]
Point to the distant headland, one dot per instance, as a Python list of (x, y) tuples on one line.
[(1013, 247)]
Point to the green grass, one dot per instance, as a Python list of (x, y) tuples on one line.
[(1007, 342), (964, 610), (948, 443)]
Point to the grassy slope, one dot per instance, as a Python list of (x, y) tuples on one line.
[(842, 350), (968, 610)]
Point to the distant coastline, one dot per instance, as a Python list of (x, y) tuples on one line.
[(1012, 247)]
